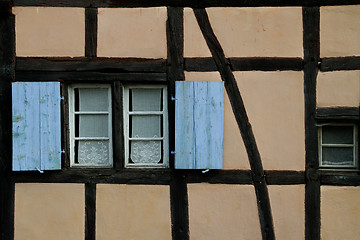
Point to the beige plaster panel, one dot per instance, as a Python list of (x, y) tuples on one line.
[(274, 102), (234, 153), (133, 212), (245, 32), (340, 211), (49, 31), (341, 88), (288, 210), (49, 211), (339, 31), (137, 32), (220, 211)]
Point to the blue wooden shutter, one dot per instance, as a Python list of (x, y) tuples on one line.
[(199, 119), (36, 126)]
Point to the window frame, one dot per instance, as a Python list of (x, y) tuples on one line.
[(165, 126), (72, 113), (354, 146)]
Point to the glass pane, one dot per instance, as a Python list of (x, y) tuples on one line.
[(93, 125), (146, 99), (93, 99), (337, 134), (146, 126), (145, 152), (93, 152), (342, 156)]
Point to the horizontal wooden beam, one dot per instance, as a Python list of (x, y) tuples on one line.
[(338, 113), (81, 64), (246, 64), (40, 76), (340, 178), (340, 63), (157, 176), (180, 3)]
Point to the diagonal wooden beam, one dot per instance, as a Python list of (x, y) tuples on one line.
[(238, 107)]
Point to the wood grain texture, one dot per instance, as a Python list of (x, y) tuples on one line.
[(311, 42), (199, 119), (181, 3), (7, 73), (338, 114), (91, 23), (90, 211), (340, 64), (82, 64), (238, 107), (36, 126)]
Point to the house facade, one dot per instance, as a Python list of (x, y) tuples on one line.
[(179, 119)]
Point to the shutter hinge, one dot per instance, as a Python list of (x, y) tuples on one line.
[(173, 152), (173, 99), (40, 171)]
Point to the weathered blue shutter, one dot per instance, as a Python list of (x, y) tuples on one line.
[(36, 126), (199, 119)]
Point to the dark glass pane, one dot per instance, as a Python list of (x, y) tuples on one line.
[(342, 156), (337, 134)]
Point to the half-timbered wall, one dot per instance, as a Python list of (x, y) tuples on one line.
[(287, 67)]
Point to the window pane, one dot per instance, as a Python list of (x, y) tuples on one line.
[(93, 125), (146, 126), (337, 156), (93, 99), (146, 99), (337, 134), (145, 151), (93, 152)]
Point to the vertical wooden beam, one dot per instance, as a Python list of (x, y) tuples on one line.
[(175, 72), (311, 42), (7, 75), (238, 107), (91, 31), (90, 213), (118, 129)]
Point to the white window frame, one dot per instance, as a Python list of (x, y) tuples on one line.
[(72, 123), (164, 138), (354, 146)]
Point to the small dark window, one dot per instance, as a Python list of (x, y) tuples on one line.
[(338, 146)]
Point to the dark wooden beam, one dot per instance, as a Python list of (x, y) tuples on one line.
[(91, 23), (7, 72), (340, 63), (38, 76), (175, 72), (90, 211), (311, 42), (340, 178), (181, 3), (274, 177), (82, 64), (338, 114), (238, 107), (118, 129)]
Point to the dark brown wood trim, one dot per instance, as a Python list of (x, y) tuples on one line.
[(181, 3), (338, 114), (274, 177), (311, 42), (175, 72), (90, 211), (82, 64), (258, 176), (91, 24), (7, 71), (246, 64), (340, 178), (340, 63), (118, 129), (38, 76), (65, 136)]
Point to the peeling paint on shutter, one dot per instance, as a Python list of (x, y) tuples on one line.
[(199, 119), (36, 126)]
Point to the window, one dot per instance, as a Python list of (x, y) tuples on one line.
[(338, 146), (145, 126), (90, 125)]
